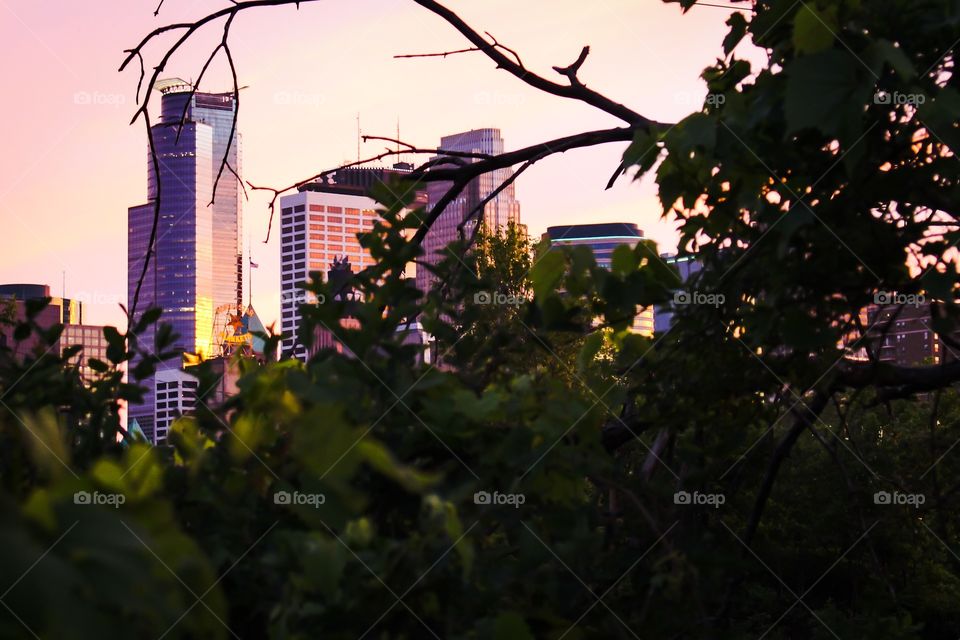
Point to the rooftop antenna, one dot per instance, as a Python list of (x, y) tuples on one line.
[(398, 139), (358, 137)]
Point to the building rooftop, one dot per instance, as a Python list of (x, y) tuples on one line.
[(597, 230)]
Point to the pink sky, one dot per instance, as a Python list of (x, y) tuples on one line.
[(71, 164)]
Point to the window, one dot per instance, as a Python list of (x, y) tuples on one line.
[(334, 209), (297, 209), (316, 207)]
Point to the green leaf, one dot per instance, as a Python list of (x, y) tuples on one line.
[(510, 625), (696, 131), (379, 457), (547, 273), (624, 260), (884, 52), (814, 30), (738, 28), (642, 152), (149, 317), (591, 346), (941, 117), (826, 91), (116, 351)]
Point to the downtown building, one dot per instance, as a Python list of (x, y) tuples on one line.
[(687, 267), (602, 239), (319, 225), (197, 264), (902, 335), (64, 311), (496, 215)]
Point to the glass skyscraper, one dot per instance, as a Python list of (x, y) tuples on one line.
[(197, 265), (497, 213)]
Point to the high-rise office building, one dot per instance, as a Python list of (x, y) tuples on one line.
[(687, 267), (197, 265), (319, 224), (602, 239), (498, 213)]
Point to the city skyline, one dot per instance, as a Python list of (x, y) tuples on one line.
[(292, 132)]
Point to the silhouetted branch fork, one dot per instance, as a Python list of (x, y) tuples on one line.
[(571, 71), (444, 54), (572, 91)]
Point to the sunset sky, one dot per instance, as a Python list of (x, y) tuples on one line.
[(72, 164)]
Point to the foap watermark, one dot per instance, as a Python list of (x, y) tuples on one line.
[(297, 498), (497, 498), (694, 100), (498, 99), (299, 99), (99, 297), (896, 498), (696, 498), (897, 98), (495, 297), (99, 498), (892, 297), (698, 297), (99, 99), (299, 296)]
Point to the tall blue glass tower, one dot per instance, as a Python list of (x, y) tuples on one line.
[(197, 264)]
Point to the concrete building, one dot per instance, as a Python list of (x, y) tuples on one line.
[(63, 311), (94, 344), (602, 239), (497, 213), (904, 335), (318, 225)]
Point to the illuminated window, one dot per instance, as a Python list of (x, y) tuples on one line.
[(334, 209), (316, 207)]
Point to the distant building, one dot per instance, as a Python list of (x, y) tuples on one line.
[(63, 311), (177, 393), (318, 225), (602, 239), (197, 263), (687, 267), (903, 335), (94, 344), (498, 213), (71, 311)]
